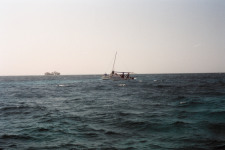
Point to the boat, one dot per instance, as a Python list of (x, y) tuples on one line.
[(105, 77), (52, 73), (117, 75)]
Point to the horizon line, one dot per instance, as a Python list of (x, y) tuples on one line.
[(101, 74)]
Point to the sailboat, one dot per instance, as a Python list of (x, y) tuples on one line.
[(117, 75)]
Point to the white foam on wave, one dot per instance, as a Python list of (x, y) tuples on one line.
[(122, 85), (183, 102)]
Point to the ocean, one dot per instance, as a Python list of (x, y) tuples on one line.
[(153, 112)]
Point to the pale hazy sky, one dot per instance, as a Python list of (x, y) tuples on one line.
[(82, 36)]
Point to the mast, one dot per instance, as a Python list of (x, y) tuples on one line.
[(114, 62)]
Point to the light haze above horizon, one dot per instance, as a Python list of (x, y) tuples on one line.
[(82, 36)]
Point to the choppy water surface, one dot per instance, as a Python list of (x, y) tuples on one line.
[(176, 111)]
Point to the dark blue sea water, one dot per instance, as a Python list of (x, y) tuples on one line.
[(157, 112)]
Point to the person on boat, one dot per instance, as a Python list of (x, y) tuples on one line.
[(128, 76), (122, 76)]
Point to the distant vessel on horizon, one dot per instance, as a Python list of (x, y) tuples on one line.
[(55, 73), (117, 75)]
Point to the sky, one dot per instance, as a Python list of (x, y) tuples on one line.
[(82, 36)]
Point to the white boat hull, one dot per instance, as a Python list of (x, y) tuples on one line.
[(114, 77)]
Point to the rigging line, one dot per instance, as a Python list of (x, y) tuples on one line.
[(114, 62), (109, 65)]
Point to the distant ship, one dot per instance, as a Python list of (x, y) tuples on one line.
[(52, 73)]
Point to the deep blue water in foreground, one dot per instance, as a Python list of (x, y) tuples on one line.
[(157, 112)]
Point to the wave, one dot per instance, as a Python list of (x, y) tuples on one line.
[(21, 109), (14, 108), (112, 133), (72, 100), (140, 126), (210, 93), (67, 85), (163, 86), (180, 97), (218, 113), (190, 103), (134, 124), (217, 128), (91, 134), (127, 114), (42, 129), (19, 137), (179, 123), (60, 146), (28, 93)]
